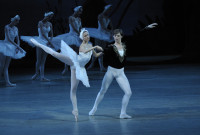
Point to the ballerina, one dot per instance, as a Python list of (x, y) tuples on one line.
[(76, 62), (102, 35), (75, 25), (45, 29), (10, 49)]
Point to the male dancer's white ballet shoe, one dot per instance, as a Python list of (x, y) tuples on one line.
[(125, 116), (75, 113), (92, 112), (10, 85)]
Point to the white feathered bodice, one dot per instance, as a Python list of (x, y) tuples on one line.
[(79, 62), (77, 25), (105, 22), (46, 31), (84, 58), (12, 32)]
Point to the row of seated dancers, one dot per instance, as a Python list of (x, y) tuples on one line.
[(46, 44)]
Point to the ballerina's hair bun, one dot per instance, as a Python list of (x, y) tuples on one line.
[(48, 13), (77, 8), (16, 17), (107, 6)]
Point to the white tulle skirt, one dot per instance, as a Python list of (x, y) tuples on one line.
[(100, 34), (56, 42), (70, 38), (8, 49), (81, 73)]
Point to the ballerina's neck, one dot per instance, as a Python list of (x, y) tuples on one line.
[(85, 42), (11, 25)]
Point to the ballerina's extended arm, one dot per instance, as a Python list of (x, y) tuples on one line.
[(59, 56), (99, 53), (92, 49)]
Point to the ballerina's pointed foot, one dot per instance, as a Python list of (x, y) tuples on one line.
[(44, 80), (125, 116), (92, 112), (10, 85), (34, 76), (75, 113)]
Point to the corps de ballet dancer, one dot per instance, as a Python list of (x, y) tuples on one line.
[(45, 31), (116, 55), (9, 49), (76, 62), (103, 34), (75, 25)]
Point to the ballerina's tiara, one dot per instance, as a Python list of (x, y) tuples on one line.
[(48, 13), (81, 33), (16, 17), (77, 8)]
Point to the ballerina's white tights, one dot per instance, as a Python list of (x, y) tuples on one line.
[(74, 85)]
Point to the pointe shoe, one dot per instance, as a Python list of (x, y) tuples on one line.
[(10, 85), (35, 76), (44, 80), (75, 113), (125, 116), (92, 112)]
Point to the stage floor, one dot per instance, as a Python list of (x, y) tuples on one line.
[(165, 101)]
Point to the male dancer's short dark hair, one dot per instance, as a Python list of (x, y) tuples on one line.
[(116, 31)]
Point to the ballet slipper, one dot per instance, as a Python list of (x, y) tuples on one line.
[(10, 85), (44, 80), (92, 112)]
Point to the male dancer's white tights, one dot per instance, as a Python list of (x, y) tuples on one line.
[(123, 82)]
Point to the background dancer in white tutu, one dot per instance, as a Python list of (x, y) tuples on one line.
[(76, 62), (10, 49), (116, 54), (45, 37), (75, 25), (102, 35)]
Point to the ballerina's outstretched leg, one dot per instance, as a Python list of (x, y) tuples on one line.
[(63, 58), (74, 81)]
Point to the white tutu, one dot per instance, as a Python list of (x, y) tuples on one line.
[(55, 41), (100, 34), (70, 38), (79, 62), (8, 49)]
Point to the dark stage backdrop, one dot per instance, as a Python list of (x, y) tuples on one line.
[(177, 34)]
